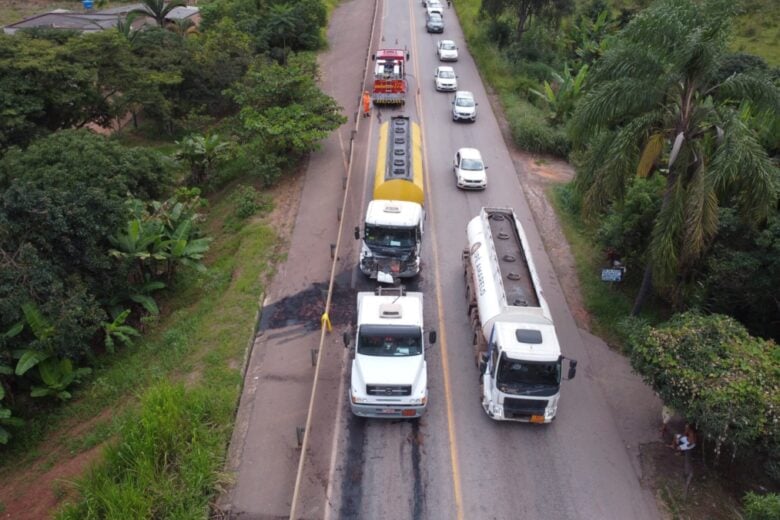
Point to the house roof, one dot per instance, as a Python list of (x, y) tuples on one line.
[(89, 21), (60, 19)]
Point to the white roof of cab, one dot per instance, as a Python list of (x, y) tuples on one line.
[(547, 350), (411, 305), (398, 213)]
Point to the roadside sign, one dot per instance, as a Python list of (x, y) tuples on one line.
[(612, 274)]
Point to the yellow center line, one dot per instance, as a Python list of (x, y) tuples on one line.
[(437, 277)]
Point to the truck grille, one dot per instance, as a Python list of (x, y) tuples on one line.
[(523, 408), (389, 390)]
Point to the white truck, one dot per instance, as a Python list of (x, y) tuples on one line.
[(516, 346), (389, 375), (393, 227)]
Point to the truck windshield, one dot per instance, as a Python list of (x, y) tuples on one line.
[(524, 377), (390, 237), (389, 341)]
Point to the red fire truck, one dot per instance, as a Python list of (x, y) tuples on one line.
[(390, 76)]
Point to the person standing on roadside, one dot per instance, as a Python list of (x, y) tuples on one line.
[(366, 104)]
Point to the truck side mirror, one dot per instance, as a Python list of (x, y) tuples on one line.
[(357, 233), (373, 57), (572, 368), (483, 362), (346, 339), (407, 56), (432, 337)]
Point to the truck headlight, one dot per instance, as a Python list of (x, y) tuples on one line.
[(358, 399), (551, 410), (498, 410)]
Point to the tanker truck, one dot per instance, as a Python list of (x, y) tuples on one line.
[(393, 227), (389, 376), (516, 347)]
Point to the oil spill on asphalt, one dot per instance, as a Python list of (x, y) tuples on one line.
[(306, 307)]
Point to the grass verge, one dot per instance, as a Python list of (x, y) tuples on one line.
[(757, 31), (606, 303)]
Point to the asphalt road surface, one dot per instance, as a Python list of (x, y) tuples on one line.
[(454, 463)]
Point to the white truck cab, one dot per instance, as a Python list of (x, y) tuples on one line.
[(392, 239), (389, 376)]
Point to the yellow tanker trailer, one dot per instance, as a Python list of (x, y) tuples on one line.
[(393, 227)]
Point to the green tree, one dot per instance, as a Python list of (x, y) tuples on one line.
[(158, 10), (741, 273), (655, 99), (524, 11), (54, 81), (284, 111)]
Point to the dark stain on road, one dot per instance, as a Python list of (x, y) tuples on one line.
[(306, 308), (351, 484), (418, 490)]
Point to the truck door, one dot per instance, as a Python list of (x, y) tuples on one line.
[(489, 376)]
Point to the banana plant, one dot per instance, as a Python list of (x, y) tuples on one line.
[(118, 331), (6, 370), (56, 374), (561, 95)]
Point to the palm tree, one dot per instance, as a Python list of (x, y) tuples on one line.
[(658, 105), (125, 27), (158, 9)]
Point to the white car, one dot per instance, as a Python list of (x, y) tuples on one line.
[(470, 169), (447, 50), (434, 7), (464, 106), (445, 79)]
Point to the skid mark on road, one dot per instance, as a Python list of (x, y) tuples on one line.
[(351, 483), (418, 490)]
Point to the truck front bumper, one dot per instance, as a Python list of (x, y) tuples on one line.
[(388, 411), (370, 266)]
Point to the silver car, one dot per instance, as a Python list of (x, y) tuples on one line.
[(445, 79), (469, 169), (464, 107)]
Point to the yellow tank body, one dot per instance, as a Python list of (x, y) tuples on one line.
[(399, 170)]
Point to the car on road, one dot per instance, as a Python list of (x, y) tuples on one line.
[(447, 50), (434, 23), (445, 79), (464, 107), (434, 7), (469, 169)]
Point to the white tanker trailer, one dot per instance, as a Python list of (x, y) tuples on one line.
[(516, 346)]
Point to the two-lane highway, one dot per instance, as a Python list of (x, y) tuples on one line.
[(456, 463)]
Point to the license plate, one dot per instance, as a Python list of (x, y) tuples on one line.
[(537, 419), (387, 410)]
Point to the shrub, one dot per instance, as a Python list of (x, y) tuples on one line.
[(532, 132), (247, 201), (629, 223), (762, 507), (716, 375)]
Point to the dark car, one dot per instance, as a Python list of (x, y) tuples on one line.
[(434, 23)]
